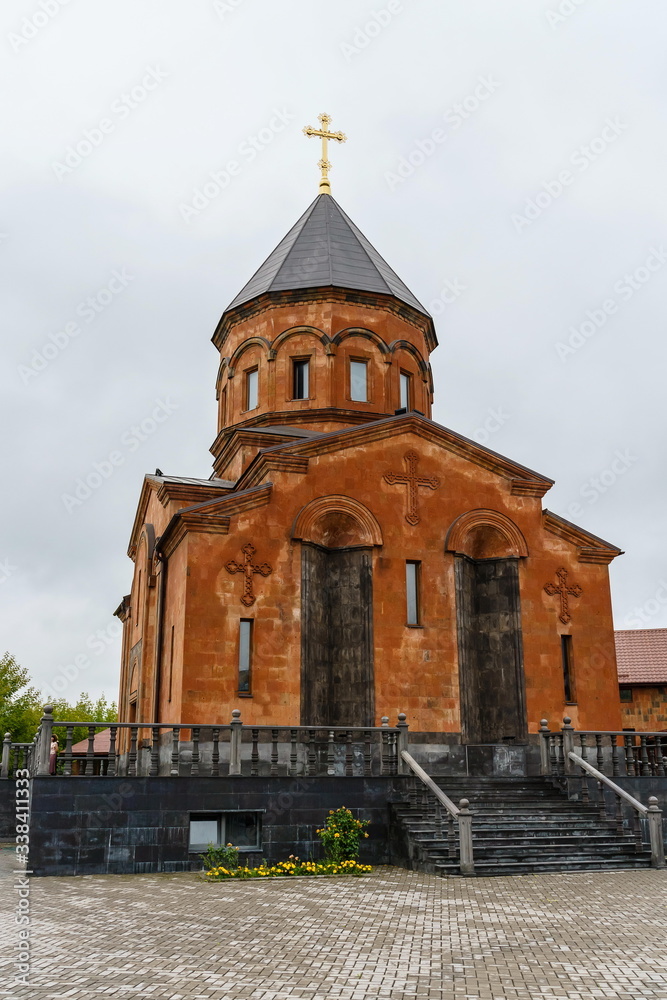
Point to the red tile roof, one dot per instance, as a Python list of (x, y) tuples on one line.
[(641, 655), (101, 743)]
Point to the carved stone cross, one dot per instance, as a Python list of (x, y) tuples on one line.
[(565, 592), (248, 568), (413, 482)]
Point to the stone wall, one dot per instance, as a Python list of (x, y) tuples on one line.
[(92, 825)]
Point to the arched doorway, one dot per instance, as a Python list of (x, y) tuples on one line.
[(337, 680), (487, 548)]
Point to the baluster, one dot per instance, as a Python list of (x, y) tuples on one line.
[(175, 751), (254, 755), (155, 751), (629, 756), (585, 797), (393, 748), (599, 753), (111, 760), (132, 762), (349, 755), (584, 746), (659, 759), (560, 753), (89, 766), (384, 749), (638, 830), (215, 753), (312, 752), (451, 836), (293, 756), (331, 757), (274, 751), (615, 764), (69, 740), (645, 766), (194, 764), (368, 752), (553, 758), (619, 814)]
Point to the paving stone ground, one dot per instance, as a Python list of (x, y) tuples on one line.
[(392, 935)]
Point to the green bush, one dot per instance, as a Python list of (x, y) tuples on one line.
[(341, 834), (221, 857)]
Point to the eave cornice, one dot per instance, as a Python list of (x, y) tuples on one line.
[(591, 549), (212, 517)]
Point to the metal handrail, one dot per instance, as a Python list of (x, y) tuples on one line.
[(651, 812), (460, 813)]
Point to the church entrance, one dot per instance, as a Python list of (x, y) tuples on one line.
[(490, 650), (337, 686)]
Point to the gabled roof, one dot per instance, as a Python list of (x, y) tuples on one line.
[(325, 249), (641, 655)]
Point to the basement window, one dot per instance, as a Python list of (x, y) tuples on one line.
[(626, 694), (242, 829)]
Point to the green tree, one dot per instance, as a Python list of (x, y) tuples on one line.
[(20, 705), (83, 710)]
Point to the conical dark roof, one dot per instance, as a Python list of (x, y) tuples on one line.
[(324, 249)]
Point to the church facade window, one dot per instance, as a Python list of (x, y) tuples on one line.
[(251, 389), (413, 610), (242, 829), (568, 669), (359, 381), (300, 378), (405, 393), (245, 655)]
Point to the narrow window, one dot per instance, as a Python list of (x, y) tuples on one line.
[(359, 381), (138, 618), (405, 391), (300, 380), (412, 592), (171, 661), (245, 655), (568, 668), (223, 408), (251, 384)]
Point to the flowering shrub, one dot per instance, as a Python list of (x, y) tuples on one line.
[(341, 834), (215, 857), (293, 866)]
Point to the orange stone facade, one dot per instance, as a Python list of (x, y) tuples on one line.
[(338, 473)]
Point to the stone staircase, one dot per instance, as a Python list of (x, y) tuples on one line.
[(520, 825)]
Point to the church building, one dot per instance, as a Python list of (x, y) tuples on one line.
[(349, 558)]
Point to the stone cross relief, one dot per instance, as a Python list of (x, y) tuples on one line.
[(249, 569), (564, 591), (413, 482)]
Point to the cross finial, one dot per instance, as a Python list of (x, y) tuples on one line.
[(324, 133)]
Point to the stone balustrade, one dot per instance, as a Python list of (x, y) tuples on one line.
[(619, 753)]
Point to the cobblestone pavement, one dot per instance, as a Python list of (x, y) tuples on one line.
[(391, 935)]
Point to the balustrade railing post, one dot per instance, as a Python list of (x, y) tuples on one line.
[(44, 742), (236, 728), (545, 763), (402, 743), (655, 833), (6, 746), (568, 745), (466, 860)]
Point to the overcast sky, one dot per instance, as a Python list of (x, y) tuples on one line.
[(507, 159)]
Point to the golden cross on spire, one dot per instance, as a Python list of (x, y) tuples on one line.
[(325, 135)]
